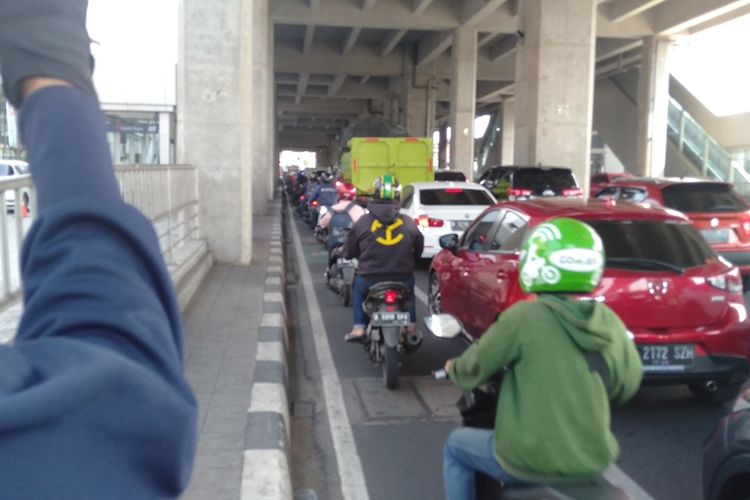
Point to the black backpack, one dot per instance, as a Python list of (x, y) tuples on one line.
[(339, 226)]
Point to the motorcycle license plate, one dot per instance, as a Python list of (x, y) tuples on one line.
[(390, 319), (667, 358)]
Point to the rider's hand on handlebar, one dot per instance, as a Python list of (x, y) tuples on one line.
[(447, 366)]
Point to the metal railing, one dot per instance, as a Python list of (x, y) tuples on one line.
[(702, 150), (167, 195)]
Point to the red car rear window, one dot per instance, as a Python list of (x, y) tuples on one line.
[(699, 197)]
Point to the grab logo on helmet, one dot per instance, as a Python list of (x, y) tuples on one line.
[(578, 260)]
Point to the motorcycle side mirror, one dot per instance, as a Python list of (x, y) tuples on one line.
[(449, 242), (444, 326)]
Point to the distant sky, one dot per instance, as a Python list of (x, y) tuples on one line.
[(713, 65), (136, 51)]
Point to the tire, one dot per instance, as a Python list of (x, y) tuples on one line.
[(434, 295), (724, 392), (332, 272), (390, 367), (346, 295)]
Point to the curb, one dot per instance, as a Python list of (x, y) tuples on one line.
[(266, 468)]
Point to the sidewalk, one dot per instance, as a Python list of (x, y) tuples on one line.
[(236, 363)]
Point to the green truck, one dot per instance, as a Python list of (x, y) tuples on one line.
[(409, 159)]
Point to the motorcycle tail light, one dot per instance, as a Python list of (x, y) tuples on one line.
[(302, 198), (730, 281), (390, 297), (314, 203), (425, 221)]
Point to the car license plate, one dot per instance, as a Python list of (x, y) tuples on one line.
[(460, 225), (548, 192), (716, 235), (667, 357), (390, 319)]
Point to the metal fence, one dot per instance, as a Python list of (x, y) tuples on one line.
[(168, 195)]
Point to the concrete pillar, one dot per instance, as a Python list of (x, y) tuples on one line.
[(165, 135), (215, 118), (508, 131), (443, 146), (463, 99), (272, 134), (417, 99), (555, 84), (653, 107), (261, 95)]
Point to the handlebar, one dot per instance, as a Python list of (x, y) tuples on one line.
[(440, 374)]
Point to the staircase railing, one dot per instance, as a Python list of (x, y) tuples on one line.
[(702, 150)]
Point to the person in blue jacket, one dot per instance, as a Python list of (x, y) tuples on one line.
[(325, 193), (93, 399)]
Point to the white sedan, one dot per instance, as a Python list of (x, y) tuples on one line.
[(441, 208)]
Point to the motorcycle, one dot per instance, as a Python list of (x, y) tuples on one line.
[(340, 276), (320, 233), (387, 305), (477, 409)]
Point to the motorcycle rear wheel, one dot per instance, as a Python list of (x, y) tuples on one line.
[(390, 367), (346, 294)]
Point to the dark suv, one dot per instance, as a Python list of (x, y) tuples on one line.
[(520, 183)]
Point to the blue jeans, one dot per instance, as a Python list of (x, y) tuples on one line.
[(469, 450), (361, 286)]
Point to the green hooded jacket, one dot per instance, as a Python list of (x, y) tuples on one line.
[(553, 417)]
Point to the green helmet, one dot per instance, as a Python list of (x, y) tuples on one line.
[(561, 255), (386, 188)]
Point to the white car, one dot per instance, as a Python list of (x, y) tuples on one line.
[(441, 208), (11, 169)]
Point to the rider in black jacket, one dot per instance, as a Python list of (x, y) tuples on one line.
[(387, 244)]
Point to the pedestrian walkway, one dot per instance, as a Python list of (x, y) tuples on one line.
[(222, 327)]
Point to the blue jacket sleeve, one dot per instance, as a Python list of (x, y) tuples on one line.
[(93, 399)]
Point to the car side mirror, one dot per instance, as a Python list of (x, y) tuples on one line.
[(444, 326), (449, 242)]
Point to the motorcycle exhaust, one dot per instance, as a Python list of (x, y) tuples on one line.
[(412, 341)]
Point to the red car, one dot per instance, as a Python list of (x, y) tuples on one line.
[(599, 180), (719, 213), (682, 303)]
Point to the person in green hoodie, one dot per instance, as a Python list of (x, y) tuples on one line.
[(566, 359)]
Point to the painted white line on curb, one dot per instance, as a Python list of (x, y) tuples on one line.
[(270, 351), (274, 280), (273, 297), (353, 485), (265, 476), (266, 397), (273, 319)]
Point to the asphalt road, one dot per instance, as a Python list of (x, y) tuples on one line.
[(398, 435)]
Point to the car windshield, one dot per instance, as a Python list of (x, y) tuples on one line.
[(455, 196), (696, 197), (539, 178), (630, 244)]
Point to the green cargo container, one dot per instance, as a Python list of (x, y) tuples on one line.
[(409, 159)]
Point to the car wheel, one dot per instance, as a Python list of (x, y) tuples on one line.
[(723, 392), (434, 296)]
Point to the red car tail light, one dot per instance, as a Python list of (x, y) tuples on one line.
[(425, 221), (572, 192), (390, 297), (730, 281)]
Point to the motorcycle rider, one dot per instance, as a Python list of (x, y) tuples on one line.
[(387, 245), (566, 359), (344, 214), (325, 193)]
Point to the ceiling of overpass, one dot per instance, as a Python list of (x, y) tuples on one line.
[(337, 59)]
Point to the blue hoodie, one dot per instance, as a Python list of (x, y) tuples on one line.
[(93, 399)]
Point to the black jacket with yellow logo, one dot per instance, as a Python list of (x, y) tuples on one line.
[(386, 243)]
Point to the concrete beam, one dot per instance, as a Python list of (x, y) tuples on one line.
[(418, 6), (384, 14), (502, 70), (329, 106), (488, 38), (290, 140), (502, 48), (432, 46), (351, 40), (606, 48), (391, 41), (493, 91), (632, 27), (716, 21), (676, 16), (474, 11), (368, 4), (364, 79), (623, 9), (338, 81), (326, 58), (313, 4), (301, 87), (309, 35)]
